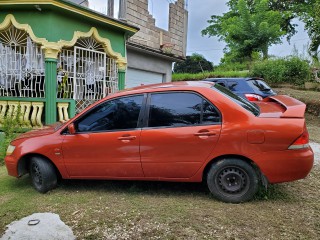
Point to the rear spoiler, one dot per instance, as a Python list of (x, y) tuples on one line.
[(293, 107)]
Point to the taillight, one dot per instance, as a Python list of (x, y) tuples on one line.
[(253, 97), (301, 142)]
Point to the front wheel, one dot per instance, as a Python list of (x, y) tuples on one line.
[(232, 180), (43, 174)]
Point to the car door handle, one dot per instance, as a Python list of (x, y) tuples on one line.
[(207, 133), (127, 138)]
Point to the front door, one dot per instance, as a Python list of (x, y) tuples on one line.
[(106, 143), (182, 130)]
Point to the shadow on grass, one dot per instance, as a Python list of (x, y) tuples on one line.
[(273, 193), (136, 187)]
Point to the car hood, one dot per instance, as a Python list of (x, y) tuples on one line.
[(281, 106), (38, 132)]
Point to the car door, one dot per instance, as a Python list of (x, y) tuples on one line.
[(106, 142), (180, 133)]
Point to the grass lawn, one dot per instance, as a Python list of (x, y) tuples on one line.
[(151, 210)]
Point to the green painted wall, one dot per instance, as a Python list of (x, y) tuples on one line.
[(56, 24)]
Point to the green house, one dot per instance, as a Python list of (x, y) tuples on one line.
[(57, 58)]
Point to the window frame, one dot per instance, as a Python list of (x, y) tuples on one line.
[(148, 106), (139, 121)]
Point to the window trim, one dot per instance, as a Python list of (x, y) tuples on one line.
[(148, 105)]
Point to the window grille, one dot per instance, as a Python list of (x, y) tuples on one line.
[(21, 65), (85, 73)]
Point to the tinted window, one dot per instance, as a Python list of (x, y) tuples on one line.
[(121, 113), (259, 85), (253, 108), (238, 86), (180, 109), (221, 83)]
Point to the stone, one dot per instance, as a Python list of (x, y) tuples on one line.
[(39, 226)]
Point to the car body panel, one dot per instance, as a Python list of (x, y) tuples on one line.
[(105, 156), (176, 152)]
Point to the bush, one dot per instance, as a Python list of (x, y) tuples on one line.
[(200, 76), (11, 127), (290, 70)]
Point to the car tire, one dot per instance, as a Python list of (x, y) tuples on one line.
[(43, 174), (232, 180)]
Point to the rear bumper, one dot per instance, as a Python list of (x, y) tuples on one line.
[(286, 166), (11, 165)]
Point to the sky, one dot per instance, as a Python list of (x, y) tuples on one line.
[(199, 13)]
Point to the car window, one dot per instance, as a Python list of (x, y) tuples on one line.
[(238, 86), (221, 83), (251, 107), (259, 85), (181, 109), (118, 114)]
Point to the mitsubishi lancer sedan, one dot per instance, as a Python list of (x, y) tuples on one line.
[(183, 132)]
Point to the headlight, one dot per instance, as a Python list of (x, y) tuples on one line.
[(10, 149)]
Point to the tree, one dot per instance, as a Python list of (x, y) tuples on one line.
[(193, 64), (309, 13), (250, 26)]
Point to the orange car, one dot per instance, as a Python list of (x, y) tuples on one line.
[(184, 131)]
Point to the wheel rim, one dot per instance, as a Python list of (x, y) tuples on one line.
[(233, 181), (36, 174)]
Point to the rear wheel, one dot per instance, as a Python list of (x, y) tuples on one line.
[(232, 180), (43, 174)]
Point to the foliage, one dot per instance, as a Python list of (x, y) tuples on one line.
[(232, 62), (200, 76), (193, 64), (291, 70), (11, 127), (309, 13), (249, 26)]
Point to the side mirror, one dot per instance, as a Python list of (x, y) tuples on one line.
[(71, 128)]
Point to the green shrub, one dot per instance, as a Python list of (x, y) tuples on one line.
[(11, 128), (292, 70), (200, 76)]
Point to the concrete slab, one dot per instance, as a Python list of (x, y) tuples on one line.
[(39, 226)]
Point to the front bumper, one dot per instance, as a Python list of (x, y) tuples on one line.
[(11, 165)]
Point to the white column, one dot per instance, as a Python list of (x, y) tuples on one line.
[(123, 10)]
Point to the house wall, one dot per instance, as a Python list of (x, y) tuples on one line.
[(152, 36), (54, 26), (141, 61)]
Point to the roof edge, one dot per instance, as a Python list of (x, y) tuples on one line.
[(78, 9)]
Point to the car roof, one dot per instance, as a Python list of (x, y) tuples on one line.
[(170, 85)]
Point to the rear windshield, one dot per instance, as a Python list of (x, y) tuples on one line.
[(259, 85), (239, 86), (249, 106)]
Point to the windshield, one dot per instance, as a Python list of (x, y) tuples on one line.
[(251, 107)]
